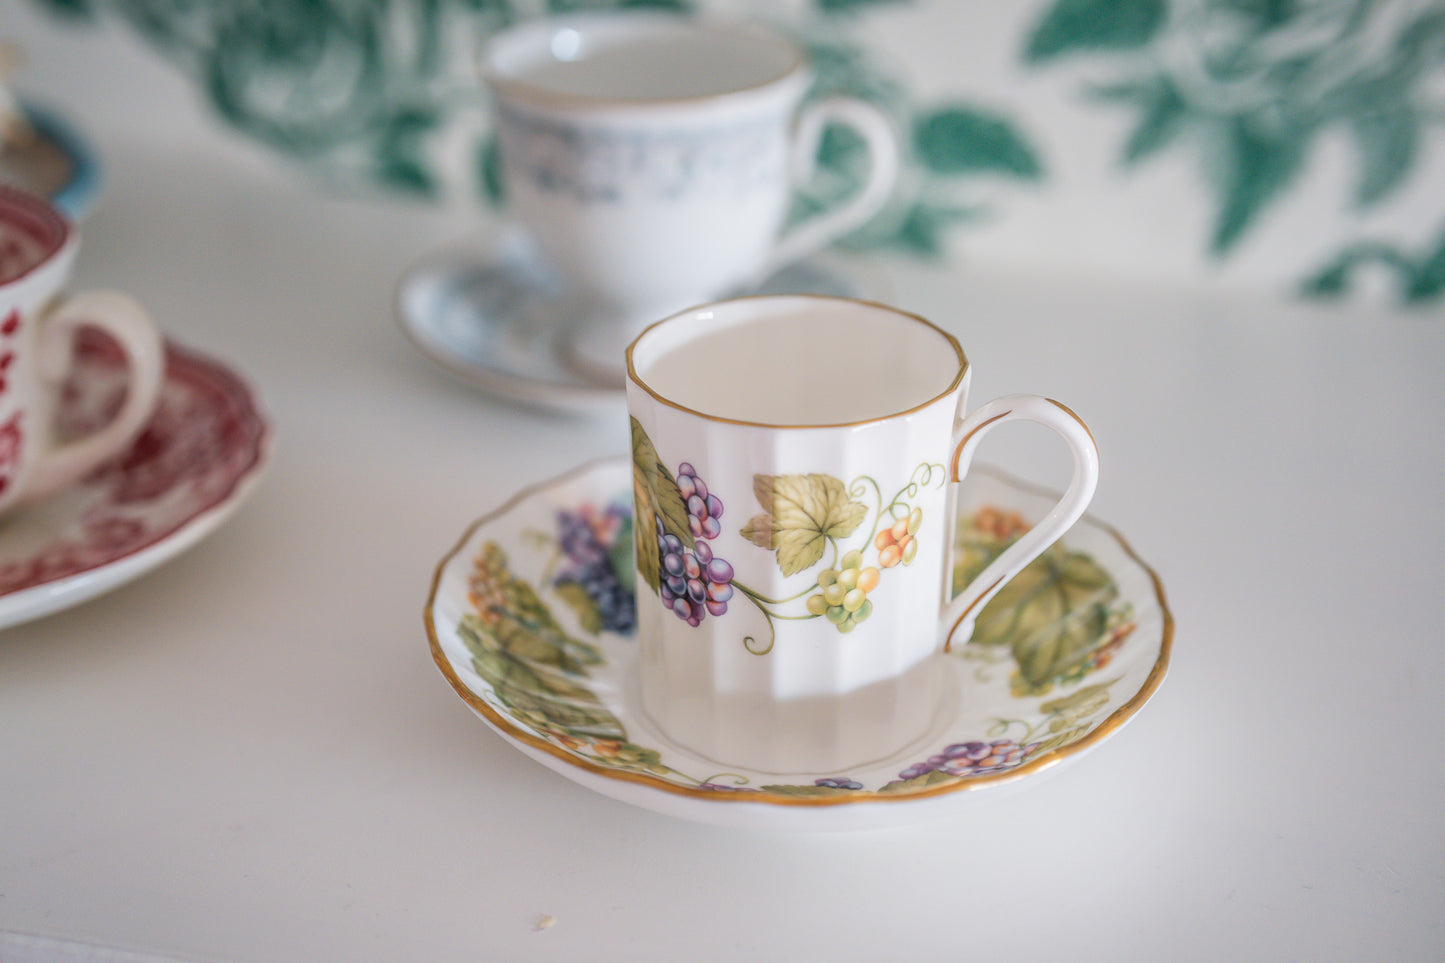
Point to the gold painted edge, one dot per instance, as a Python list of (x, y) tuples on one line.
[(1053, 757), (962, 442), (948, 640), (1074, 415), (958, 377)]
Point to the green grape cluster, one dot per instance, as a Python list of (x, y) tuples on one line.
[(495, 592), (843, 592)]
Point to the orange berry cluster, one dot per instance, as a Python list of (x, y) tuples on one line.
[(898, 543)]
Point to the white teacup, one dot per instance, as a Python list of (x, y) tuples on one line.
[(794, 525), (652, 160), (38, 248)]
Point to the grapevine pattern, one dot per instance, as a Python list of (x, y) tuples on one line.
[(596, 580), (538, 672), (840, 591), (693, 583)]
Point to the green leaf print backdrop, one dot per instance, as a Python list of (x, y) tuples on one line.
[(1291, 145)]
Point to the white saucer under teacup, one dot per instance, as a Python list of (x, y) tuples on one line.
[(532, 620), (489, 311)]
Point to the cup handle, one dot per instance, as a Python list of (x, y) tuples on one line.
[(959, 614), (818, 232), (121, 317)]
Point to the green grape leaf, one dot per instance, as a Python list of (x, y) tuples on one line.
[(621, 556), (806, 792), (533, 671), (1079, 706), (543, 647), (515, 681), (956, 140), (1052, 616), (1071, 716), (802, 514), (1078, 25), (1060, 738), (576, 719), (655, 496), (580, 602), (759, 531)]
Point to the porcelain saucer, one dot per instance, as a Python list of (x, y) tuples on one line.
[(53, 162), (191, 467), (542, 648), (488, 311)]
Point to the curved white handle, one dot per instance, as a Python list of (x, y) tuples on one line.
[(817, 232), (959, 614), (124, 319)]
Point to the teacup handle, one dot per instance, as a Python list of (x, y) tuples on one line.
[(121, 317), (959, 614), (817, 232)]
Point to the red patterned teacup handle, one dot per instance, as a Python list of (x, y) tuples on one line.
[(121, 317)]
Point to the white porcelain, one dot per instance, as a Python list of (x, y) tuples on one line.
[(534, 628), (796, 460), (195, 462), (652, 159), (38, 248), (489, 312)]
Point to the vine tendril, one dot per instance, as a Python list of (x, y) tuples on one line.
[(733, 778)]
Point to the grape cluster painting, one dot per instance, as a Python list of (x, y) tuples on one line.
[(548, 629), (805, 520)]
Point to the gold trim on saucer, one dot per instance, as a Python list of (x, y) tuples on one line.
[(1053, 757)]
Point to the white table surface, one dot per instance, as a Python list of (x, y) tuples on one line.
[(249, 755)]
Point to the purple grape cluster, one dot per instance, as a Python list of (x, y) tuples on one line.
[(586, 537), (838, 782), (692, 582), (703, 508), (971, 759)]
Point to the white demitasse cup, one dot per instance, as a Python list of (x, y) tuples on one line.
[(652, 158), (795, 459), (38, 321)]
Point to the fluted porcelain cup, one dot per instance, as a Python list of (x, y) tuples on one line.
[(795, 460)]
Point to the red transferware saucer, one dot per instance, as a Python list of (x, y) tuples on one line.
[(189, 469)]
